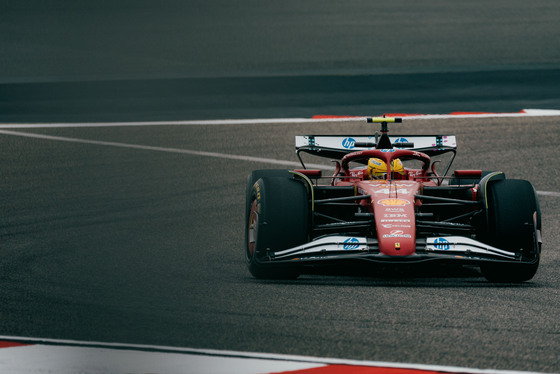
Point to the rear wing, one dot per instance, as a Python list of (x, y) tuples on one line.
[(337, 146)]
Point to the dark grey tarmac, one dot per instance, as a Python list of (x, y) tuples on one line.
[(112, 244)]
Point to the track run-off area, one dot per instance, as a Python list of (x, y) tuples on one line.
[(130, 235)]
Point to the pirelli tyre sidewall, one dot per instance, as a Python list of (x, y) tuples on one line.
[(277, 219), (513, 218), (262, 173)]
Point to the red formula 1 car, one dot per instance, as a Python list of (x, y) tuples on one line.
[(387, 203)]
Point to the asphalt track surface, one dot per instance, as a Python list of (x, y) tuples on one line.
[(112, 240), (105, 242)]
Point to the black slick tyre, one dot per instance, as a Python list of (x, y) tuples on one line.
[(277, 218), (513, 221), (262, 173)]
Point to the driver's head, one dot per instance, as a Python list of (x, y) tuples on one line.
[(377, 168)]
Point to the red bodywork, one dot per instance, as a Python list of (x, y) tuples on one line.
[(393, 203), (392, 200)]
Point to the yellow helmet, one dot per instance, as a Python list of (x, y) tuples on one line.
[(378, 167)]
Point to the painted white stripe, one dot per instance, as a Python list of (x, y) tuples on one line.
[(266, 121), (159, 123), (64, 359), (76, 356), (548, 193), (164, 149), (263, 160)]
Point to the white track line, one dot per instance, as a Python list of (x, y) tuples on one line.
[(245, 362), (165, 123), (266, 121), (164, 149), (263, 160)]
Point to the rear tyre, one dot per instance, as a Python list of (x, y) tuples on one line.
[(277, 219), (513, 220)]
